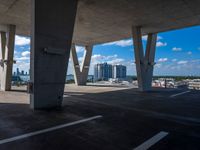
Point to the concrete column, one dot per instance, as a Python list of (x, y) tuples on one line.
[(7, 39), (51, 37), (81, 73), (144, 63)]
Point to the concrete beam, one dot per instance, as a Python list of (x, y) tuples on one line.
[(51, 36), (144, 63), (7, 40), (81, 73)]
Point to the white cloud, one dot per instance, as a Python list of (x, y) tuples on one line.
[(110, 59), (182, 62), (159, 38), (162, 59), (158, 65), (23, 58), (145, 38), (195, 60), (174, 60), (99, 57), (161, 44), (15, 52), (129, 42), (80, 49), (22, 66), (176, 49), (183, 67), (22, 47), (25, 53), (117, 61), (122, 43), (20, 41), (189, 53), (112, 56)]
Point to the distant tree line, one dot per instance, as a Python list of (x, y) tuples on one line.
[(177, 78)]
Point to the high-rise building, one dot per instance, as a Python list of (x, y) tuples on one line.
[(18, 73), (102, 71), (105, 71), (22, 72), (119, 71)]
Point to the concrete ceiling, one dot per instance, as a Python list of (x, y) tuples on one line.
[(100, 21)]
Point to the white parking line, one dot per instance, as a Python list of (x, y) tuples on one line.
[(147, 144), (66, 95), (174, 95), (47, 130)]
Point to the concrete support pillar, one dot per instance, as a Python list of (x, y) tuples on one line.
[(144, 63), (51, 37), (7, 41), (81, 73)]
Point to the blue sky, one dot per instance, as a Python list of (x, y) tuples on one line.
[(177, 53)]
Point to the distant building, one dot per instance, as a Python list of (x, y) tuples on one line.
[(118, 72), (18, 73), (105, 71), (22, 72), (102, 72), (194, 84)]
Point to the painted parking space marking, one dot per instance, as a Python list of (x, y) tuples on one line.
[(66, 95), (23, 136), (178, 94), (150, 142)]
